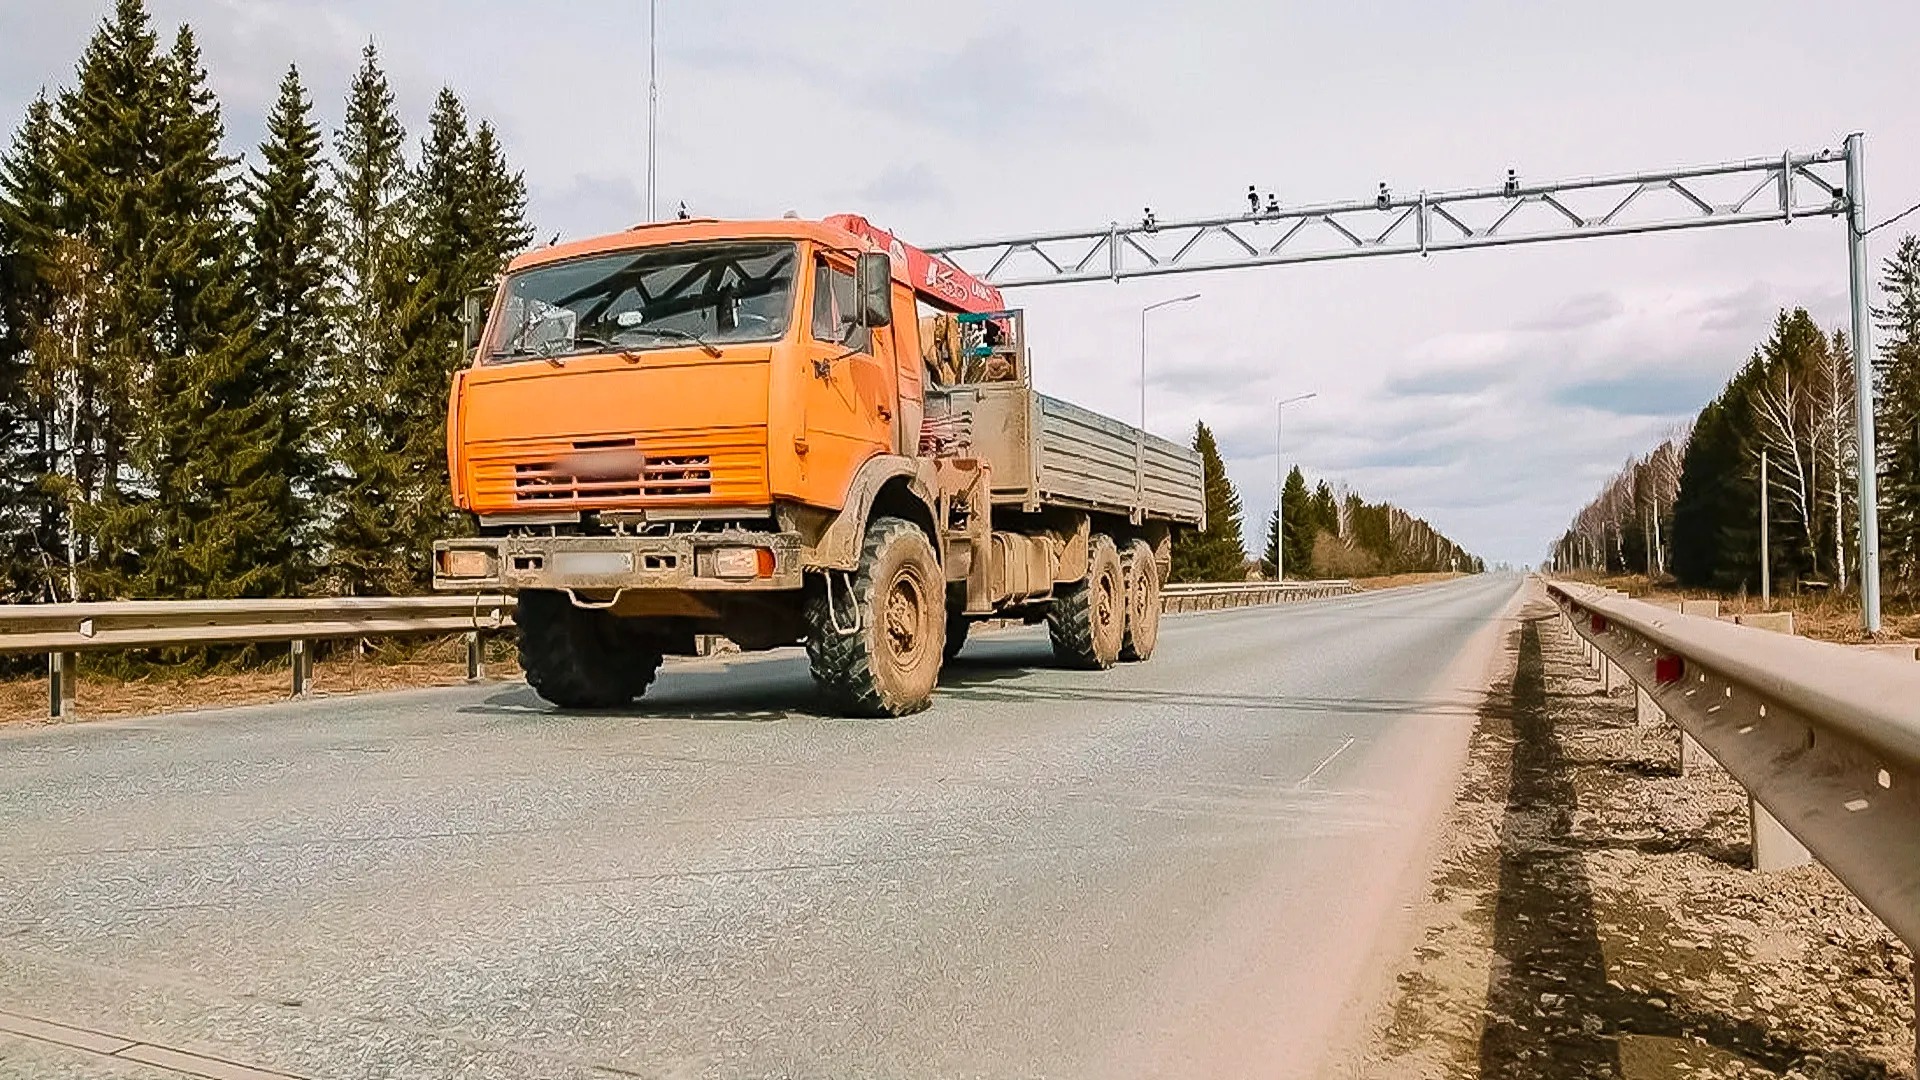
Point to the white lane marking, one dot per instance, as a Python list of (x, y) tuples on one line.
[(1305, 780)]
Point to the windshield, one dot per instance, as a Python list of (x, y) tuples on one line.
[(663, 297)]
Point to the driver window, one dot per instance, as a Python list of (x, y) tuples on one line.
[(835, 304)]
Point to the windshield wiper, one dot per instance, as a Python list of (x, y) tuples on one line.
[(522, 352), (668, 331), (597, 343)]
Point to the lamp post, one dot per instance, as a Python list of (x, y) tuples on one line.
[(653, 96), (1140, 437), (1280, 487)]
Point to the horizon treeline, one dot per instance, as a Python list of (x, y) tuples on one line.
[(225, 377), (1691, 508), (1330, 533)]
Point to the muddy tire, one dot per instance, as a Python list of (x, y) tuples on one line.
[(579, 658), (889, 664), (1088, 619), (1142, 575)]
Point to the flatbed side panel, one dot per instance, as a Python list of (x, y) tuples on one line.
[(1088, 459), (1174, 482)]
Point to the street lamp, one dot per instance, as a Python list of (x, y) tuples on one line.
[(1280, 487), (653, 96), (1140, 439)]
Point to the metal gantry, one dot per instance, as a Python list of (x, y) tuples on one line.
[(1781, 188)]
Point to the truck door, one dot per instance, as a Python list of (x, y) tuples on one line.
[(850, 402)]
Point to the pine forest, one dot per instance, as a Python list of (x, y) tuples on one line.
[(223, 376), (1691, 509)]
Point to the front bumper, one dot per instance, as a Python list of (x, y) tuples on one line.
[(596, 564)]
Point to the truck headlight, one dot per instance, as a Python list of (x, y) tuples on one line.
[(458, 563), (742, 563)]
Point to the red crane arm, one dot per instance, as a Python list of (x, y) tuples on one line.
[(931, 276)]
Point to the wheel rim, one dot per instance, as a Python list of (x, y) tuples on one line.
[(1146, 593), (1105, 603), (903, 623), (1146, 606)]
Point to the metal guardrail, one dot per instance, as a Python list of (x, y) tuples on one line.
[(61, 630), (1825, 738), (1233, 594), (140, 624)]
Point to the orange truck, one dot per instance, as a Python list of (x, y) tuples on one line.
[(789, 432)]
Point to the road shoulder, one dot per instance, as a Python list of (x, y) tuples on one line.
[(1591, 914)]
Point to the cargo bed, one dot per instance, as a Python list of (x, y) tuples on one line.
[(1047, 452)]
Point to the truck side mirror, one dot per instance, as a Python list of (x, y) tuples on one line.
[(873, 278), (473, 317)]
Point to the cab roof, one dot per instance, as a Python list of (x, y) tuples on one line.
[(694, 229)]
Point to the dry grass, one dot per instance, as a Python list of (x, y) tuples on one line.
[(1821, 615), (441, 662), (1393, 581)]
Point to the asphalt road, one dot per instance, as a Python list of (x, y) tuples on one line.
[(1169, 869)]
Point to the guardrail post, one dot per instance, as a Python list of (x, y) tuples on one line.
[(62, 683), (301, 658), (475, 662), (1693, 756), (1774, 848), (1645, 712)]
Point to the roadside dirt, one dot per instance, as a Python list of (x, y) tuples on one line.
[(1394, 581), (440, 662), (1591, 915)]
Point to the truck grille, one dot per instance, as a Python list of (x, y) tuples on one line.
[(620, 472), (541, 481)]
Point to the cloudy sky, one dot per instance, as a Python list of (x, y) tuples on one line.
[(1488, 391)]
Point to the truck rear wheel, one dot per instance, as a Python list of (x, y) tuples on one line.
[(875, 644), (580, 658), (1142, 575), (1087, 620)]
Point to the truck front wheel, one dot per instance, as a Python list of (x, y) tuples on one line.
[(1088, 619), (875, 641), (580, 658), (1142, 575)]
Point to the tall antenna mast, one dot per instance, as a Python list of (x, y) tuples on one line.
[(653, 98)]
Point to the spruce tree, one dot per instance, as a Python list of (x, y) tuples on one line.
[(32, 518), (207, 433), (1325, 511), (111, 169), (289, 279), (497, 205), (1716, 516), (468, 219), (1301, 529), (1897, 372), (440, 259), (363, 437), (1216, 552)]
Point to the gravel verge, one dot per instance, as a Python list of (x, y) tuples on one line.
[(1591, 914)]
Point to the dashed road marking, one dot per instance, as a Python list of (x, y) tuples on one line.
[(183, 1062), (1328, 760)]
